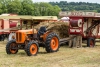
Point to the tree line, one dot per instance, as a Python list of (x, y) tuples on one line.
[(77, 6), (27, 7)]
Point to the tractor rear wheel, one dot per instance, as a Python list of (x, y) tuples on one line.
[(32, 48), (90, 42), (52, 42), (11, 47)]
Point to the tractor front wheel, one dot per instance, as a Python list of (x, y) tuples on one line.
[(11, 47), (32, 48), (52, 42)]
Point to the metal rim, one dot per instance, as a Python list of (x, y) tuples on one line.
[(54, 43), (13, 48), (33, 49)]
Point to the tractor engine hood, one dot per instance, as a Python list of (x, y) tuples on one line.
[(22, 35), (30, 31)]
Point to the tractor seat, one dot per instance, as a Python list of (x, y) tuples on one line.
[(41, 31)]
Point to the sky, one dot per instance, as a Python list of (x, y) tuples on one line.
[(91, 1)]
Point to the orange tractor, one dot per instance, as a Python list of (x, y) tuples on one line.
[(31, 39)]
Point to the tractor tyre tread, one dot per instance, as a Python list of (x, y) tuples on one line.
[(27, 49), (8, 46), (48, 40)]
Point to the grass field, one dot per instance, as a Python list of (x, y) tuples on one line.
[(65, 57)]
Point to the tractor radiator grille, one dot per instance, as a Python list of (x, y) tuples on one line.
[(18, 36)]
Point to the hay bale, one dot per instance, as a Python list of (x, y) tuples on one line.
[(61, 28)]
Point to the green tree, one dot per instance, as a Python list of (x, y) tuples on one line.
[(43, 8), (78, 6), (46, 9), (4, 4), (14, 6), (36, 9), (56, 10), (27, 7), (0, 8), (98, 10)]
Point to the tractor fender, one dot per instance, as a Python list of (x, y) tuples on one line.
[(44, 36)]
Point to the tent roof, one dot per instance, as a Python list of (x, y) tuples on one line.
[(27, 17), (45, 18)]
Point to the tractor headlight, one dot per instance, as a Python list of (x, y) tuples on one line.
[(13, 37)]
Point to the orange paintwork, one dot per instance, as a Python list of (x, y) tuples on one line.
[(45, 35), (22, 35), (54, 43), (33, 49), (30, 31)]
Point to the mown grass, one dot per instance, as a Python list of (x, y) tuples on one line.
[(65, 57)]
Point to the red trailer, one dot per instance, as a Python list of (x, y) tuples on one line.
[(6, 24), (85, 24)]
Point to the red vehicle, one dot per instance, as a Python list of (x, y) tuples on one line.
[(6, 24), (86, 24)]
